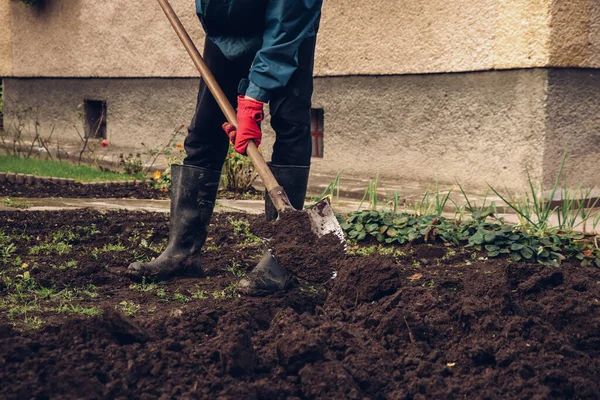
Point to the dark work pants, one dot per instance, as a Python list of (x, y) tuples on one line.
[(206, 144)]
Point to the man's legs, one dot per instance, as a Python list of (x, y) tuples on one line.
[(206, 143), (194, 184)]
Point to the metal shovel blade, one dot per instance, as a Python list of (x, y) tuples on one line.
[(323, 220)]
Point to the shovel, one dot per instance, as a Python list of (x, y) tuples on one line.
[(321, 216)]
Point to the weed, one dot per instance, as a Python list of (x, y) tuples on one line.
[(361, 251), (144, 286), (78, 309), (72, 264), (7, 251), (199, 294), (371, 194), (59, 248), (181, 298), (109, 248), (45, 292), (229, 292), (162, 294), (242, 227), (128, 307), (235, 269), (332, 191), (33, 322), (238, 172), (8, 202)]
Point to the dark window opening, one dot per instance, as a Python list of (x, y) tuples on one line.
[(316, 131), (95, 118)]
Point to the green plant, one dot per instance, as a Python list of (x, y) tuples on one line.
[(128, 307), (332, 191), (238, 173), (235, 269), (8, 202), (72, 264), (162, 294), (181, 298), (131, 165), (242, 227), (6, 251), (59, 248), (533, 210), (574, 209), (144, 286), (371, 194), (173, 153)]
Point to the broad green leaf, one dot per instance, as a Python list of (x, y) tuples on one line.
[(490, 237), (516, 246), (392, 232), (527, 252)]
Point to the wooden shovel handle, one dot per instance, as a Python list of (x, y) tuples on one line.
[(276, 192)]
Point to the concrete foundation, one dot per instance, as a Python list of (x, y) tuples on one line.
[(474, 127)]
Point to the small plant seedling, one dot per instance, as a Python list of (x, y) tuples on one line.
[(181, 298), (199, 294), (242, 227), (162, 294), (144, 286), (235, 269), (59, 248), (128, 308)]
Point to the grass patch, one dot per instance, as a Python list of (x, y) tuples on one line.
[(8, 202), (58, 169)]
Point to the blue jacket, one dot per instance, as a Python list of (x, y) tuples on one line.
[(271, 29)]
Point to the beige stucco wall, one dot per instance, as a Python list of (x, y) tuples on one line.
[(5, 40), (120, 38), (474, 127), (139, 110), (100, 38), (573, 122)]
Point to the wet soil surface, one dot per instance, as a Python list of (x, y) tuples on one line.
[(76, 190), (413, 322)]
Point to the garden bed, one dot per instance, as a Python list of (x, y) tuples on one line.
[(399, 322), (110, 190)]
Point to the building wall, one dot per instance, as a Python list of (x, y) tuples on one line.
[(573, 123), (474, 127), (119, 38), (5, 40), (138, 110)]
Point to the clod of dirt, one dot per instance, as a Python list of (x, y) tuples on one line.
[(298, 249)]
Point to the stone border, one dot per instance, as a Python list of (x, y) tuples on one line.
[(22, 179)]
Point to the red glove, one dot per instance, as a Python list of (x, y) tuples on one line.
[(249, 115)]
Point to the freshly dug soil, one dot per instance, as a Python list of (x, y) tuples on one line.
[(412, 322), (76, 190), (296, 247)]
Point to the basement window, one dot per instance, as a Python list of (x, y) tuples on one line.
[(316, 131), (94, 114)]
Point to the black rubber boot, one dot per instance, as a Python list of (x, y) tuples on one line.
[(294, 180), (269, 276), (193, 194)]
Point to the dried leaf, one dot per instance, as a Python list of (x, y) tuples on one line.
[(416, 277)]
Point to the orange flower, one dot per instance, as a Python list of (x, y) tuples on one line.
[(157, 175), (179, 146)]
